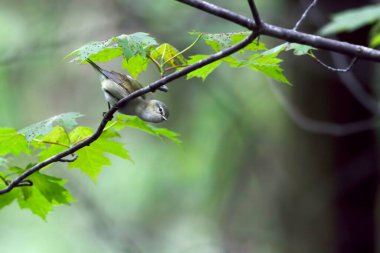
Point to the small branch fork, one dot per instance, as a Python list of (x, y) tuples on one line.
[(289, 35), (257, 26)]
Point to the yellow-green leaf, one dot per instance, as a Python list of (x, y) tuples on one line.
[(135, 65), (169, 54), (12, 142)]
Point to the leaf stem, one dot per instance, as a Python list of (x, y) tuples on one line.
[(110, 126), (52, 143), (174, 67), (155, 63), (186, 49)]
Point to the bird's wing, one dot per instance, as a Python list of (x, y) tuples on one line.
[(126, 82)]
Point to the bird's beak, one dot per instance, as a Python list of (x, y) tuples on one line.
[(164, 118)]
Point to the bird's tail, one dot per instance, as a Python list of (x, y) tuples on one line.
[(104, 72), (109, 75)]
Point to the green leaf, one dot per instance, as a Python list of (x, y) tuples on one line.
[(127, 45), (268, 64), (299, 49), (90, 161), (8, 198), (135, 122), (135, 44), (92, 158), (107, 54), (100, 51), (255, 45), (3, 162), (272, 71), (51, 188), (50, 151), (80, 133), (32, 199), (58, 136), (58, 141), (113, 147), (350, 20), (232, 61), (135, 65), (204, 71), (168, 53), (12, 142), (375, 40), (46, 192), (66, 120), (220, 41), (374, 35)]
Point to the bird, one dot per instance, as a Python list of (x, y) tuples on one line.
[(117, 86)]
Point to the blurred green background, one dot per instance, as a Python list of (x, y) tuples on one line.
[(228, 188)]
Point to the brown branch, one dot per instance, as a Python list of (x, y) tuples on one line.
[(108, 115)]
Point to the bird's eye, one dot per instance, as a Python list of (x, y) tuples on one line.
[(160, 110)]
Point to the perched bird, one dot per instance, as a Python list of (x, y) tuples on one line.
[(117, 86)]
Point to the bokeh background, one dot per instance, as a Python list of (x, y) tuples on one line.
[(263, 167)]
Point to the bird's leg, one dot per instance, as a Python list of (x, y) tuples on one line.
[(109, 107)]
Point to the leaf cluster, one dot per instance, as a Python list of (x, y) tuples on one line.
[(47, 138), (139, 49), (40, 192)]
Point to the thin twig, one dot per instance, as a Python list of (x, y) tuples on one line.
[(183, 51), (348, 68), (304, 15), (108, 115), (155, 63), (255, 14), (173, 67)]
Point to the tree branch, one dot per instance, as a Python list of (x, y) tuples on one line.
[(255, 13), (287, 34), (108, 115)]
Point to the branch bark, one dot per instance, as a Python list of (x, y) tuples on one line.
[(288, 35)]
